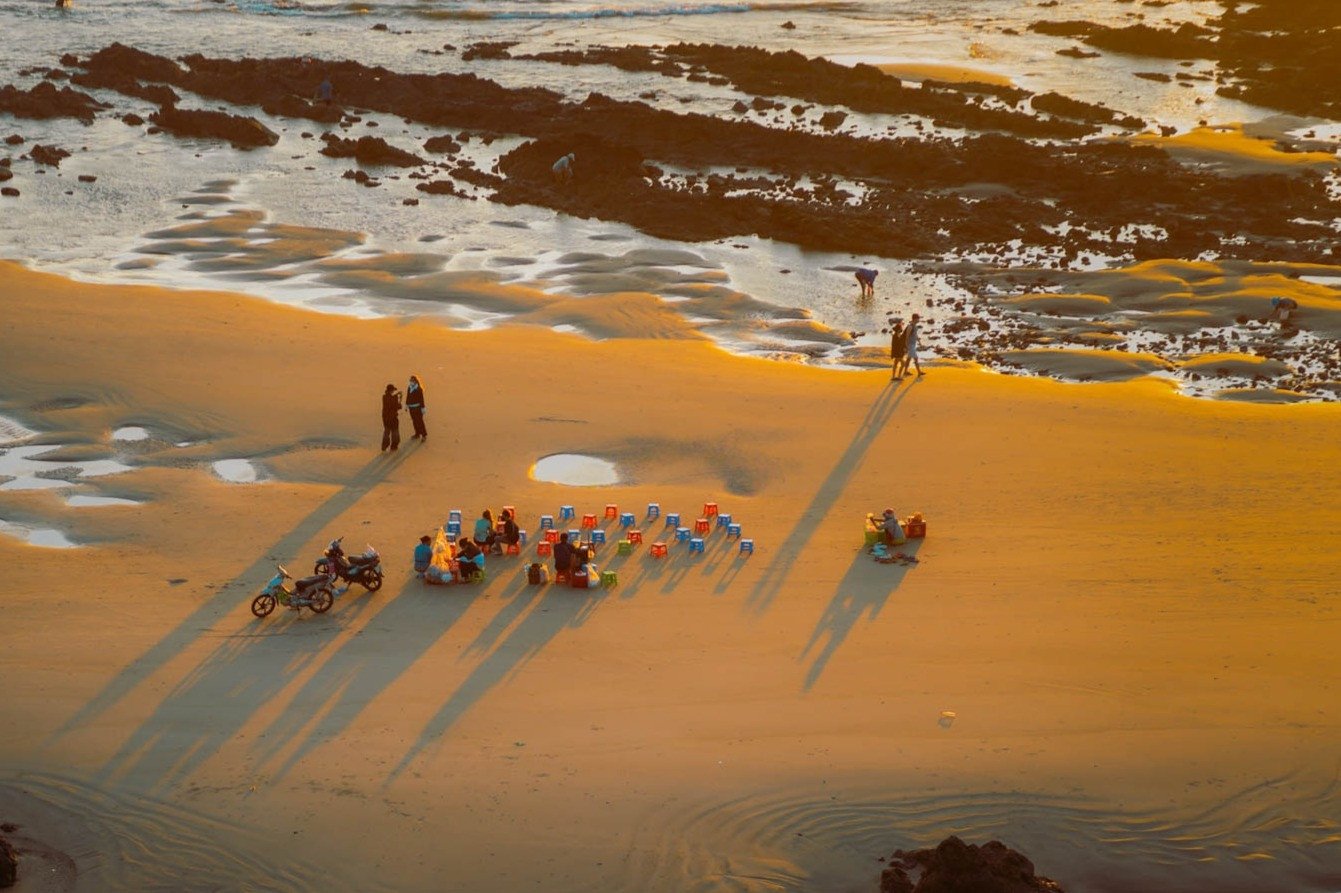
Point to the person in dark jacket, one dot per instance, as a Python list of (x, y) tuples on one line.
[(511, 535), (390, 418), (470, 559), (564, 555), (414, 405)]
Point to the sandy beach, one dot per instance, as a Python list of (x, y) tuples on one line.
[(1126, 598)]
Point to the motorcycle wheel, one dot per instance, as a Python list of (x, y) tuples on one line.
[(263, 604), (372, 581), (322, 601)]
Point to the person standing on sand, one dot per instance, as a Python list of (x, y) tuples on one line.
[(898, 350), (390, 418), (414, 405), (910, 346), (866, 279)]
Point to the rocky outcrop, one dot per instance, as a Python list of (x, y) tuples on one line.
[(958, 867), (369, 150), (9, 864), (47, 155), (46, 100), (243, 132)]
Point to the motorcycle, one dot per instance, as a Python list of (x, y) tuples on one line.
[(315, 592), (365, 569)]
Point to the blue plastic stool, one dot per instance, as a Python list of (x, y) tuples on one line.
[(598, 535), (682, 534), (454, 515), (574, 536), (654, 510), (453, 528), (696, 544), (673, 519), (521, 537), (747, 547), (566, 512), (546, 522), (723, 520), (733, 530), (627, 520)]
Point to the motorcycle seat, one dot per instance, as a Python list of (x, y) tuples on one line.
[(309, 582)]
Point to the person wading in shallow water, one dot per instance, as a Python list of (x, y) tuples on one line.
[(414, 405), (866, 279), (390, 418)]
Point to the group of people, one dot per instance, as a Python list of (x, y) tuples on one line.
[(488, 537), (413, 402), (903, 347)]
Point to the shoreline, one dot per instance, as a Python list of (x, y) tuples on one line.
[(1097, 585)]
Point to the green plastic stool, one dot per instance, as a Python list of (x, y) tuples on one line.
[(871, 536), (609, 578), (625, 547)]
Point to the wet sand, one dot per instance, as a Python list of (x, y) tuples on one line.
[(1125, 598)]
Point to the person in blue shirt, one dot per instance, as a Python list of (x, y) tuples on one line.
[(485, 534), (470, 559), (423, 554)]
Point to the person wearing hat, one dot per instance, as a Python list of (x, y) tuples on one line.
[(898, 349), (390, 418), (563, 168), (1281, 308), (910, 345), (893, 530)]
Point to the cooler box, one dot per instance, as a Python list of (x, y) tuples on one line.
[(915, 528), (579, 579)]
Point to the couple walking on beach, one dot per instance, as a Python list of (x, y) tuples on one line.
[(391, 405), (903, 347)]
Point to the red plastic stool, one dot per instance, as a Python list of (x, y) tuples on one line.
[(702, 525), (563, 577), (636, 537), (589, 521), (512, 549), (709, 509), (658, 550), (611, 510), (544, 549)]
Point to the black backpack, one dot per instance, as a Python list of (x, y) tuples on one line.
[(533, 574)]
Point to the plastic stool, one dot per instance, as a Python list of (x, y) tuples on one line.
[(609, 578), (521, 537), (625, 547), (454, 515), (636, 537), (565, 512), (546, 522), (659, 550), (598, 535), (512, 549), (702, 525), (563, 577), (589, 521), (574, 536), (611, 510), (673, 519), (627, 520), (747, 547), (709, 509), (453, 528), (733, 530), (654, 510), (696, 545), (544, 548), (551, 536), (723, 520), (681, 534)]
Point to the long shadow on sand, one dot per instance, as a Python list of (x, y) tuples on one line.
[(863, 590), (809, 518), (561, 607), (188, 631), (385, 649)]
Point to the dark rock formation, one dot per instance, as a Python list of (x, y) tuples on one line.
[(9, 191), (242, 131), (958, 867), (9, 864), (47, 155), (45, 100), (132, 119), (369, 150), (6, 174), (443, 145)]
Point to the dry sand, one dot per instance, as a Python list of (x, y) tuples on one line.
[(1127, 598)]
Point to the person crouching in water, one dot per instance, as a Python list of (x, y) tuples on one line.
[(470, 559), (414, 405)]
